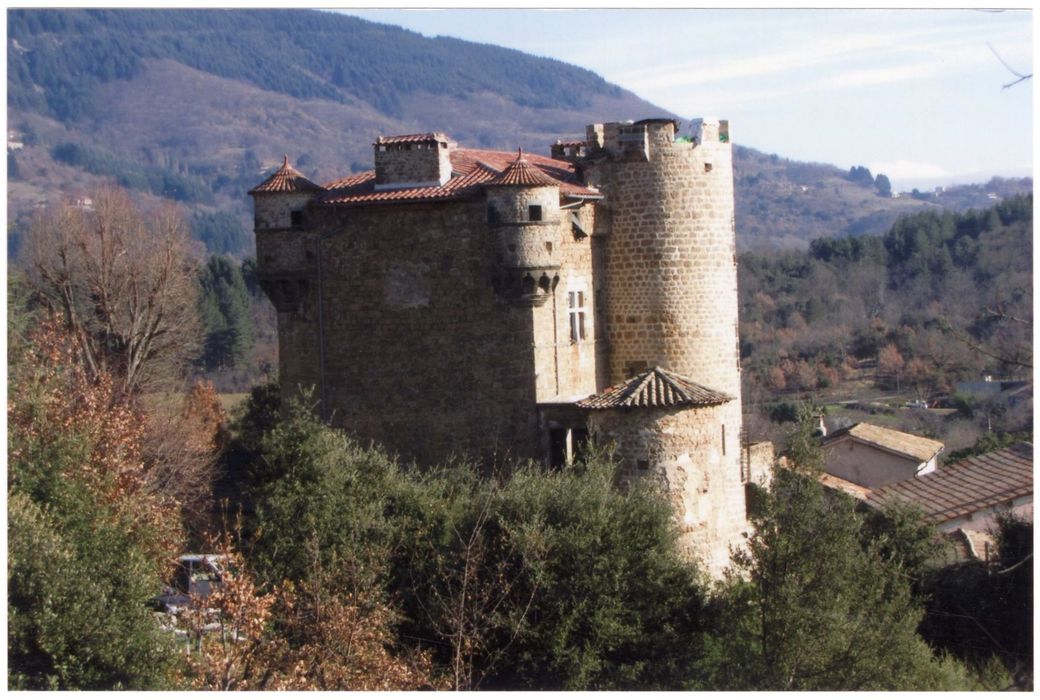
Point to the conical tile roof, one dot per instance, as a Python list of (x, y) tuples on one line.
[(522, 173), (656, 388), (287, 179)]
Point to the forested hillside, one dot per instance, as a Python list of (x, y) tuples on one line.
[(941, 298), (196, 106)]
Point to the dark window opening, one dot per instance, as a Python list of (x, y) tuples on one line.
[(707, 167), (643, 465), (296, 219), (557, 447), (534, 212), (492, 215), (635, 368), (579, 442)]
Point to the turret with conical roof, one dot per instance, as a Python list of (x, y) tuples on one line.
[(281, 199), (523, 213)]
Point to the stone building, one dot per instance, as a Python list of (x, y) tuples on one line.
[(511, 306)]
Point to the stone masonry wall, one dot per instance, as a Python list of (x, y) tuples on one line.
[(566, 370), (693, 455), (420, 353), (273, 210), (412, 163), (524, 243)]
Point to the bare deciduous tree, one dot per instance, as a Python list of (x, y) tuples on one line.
[(123, 282)]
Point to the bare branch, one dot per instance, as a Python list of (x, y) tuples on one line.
[(1020, 76)]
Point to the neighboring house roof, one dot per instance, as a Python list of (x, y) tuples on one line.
[(472, 169), (919, 448), (971, 485), (656, 388), (844, 485), (286, 179), (521, 173)]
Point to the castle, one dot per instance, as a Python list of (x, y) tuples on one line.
[(508, 305)]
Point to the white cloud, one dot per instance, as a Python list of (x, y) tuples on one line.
[(849, 59)]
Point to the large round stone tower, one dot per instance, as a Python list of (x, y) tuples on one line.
[(670, 265), (670, 309)]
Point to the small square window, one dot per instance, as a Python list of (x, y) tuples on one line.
[(643, 465), (534, 212), (296, 218)]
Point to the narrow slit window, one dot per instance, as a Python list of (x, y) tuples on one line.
[(576, 309)]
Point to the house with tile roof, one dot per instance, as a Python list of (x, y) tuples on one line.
[(871, 456), (969, 494), (962, 500), (510, 305)]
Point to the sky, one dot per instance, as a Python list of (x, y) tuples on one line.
[(914, 94)]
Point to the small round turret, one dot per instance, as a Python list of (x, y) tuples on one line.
[(280, 200), (523, 208)]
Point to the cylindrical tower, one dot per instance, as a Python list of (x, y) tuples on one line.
[(523, 214), (670, 257), (669, 272)]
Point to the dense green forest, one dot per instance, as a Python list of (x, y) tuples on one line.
[(297, 53)]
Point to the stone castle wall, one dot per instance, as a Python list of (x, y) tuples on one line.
[(693, 455), (420, 353), (566, 369)]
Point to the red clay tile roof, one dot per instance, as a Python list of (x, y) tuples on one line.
[(286, 179), (966, 487), (521, 173), (413, 138), (656, 388), (914, 446), (471, 169)]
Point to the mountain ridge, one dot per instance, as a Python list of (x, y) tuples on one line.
[(196, 106)]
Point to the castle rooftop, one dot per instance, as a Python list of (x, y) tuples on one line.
[(522, 173), (472, 169), (656, 388), (286, 179)]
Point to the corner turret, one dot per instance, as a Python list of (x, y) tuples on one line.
[(523, 214), (285, 259)]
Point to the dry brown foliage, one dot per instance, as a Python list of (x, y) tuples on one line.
[(59, 398), (306, 637)]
